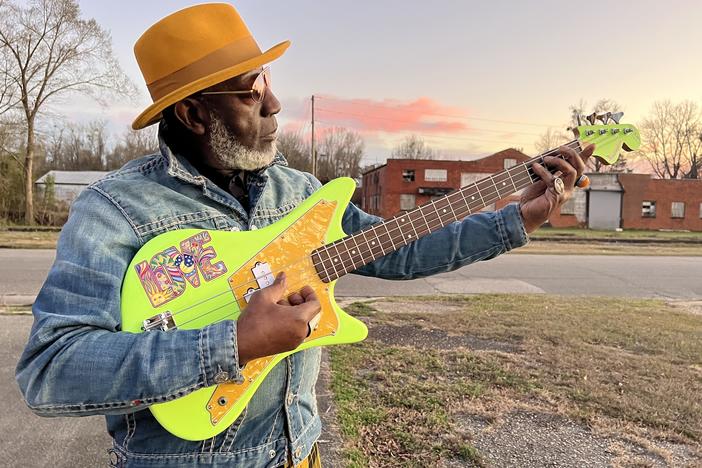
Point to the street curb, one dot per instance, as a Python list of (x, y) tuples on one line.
[(17, 300), (613, 240)]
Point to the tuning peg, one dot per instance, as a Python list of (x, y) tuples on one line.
[(617, 116), (604, 118), (592, 118)]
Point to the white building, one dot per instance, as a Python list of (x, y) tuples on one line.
[(68, 184)]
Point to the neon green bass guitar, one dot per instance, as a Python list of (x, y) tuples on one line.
[(189, 278)]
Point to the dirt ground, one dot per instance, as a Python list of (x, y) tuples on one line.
[(496, 428)]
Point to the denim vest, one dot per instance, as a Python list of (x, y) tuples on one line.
[(78, 362)]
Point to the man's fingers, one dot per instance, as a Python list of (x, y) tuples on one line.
[(308, 309), (543, 174), (572, 157), (569, 172), (308, 294), (296, 298), (587, 152), (275, 291)]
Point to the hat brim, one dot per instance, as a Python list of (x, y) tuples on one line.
[(152, 114)]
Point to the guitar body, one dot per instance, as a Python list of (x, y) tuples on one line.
[(191, 278)]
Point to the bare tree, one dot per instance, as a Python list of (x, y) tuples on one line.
[(133, 144), (77, 147), (673, 136), (52, 52), (340, 154), (413, 147), (295, 150), (552, 138)]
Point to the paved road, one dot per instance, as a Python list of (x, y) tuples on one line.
[(23, 271), (30, 441)]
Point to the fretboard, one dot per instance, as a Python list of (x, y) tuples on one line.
[(350, 253)]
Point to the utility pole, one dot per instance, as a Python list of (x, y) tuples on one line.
[(314, 153)]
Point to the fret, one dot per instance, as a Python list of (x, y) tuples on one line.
[(377, 238), (416, 236), (443, 211), (503, 190), (450, 205), (339, 258), (392, 243), (477, 187), (495, 183), (421, 212), (327, 262), (357, 250), (465, 200), (514, 186), (331, 261), (373, 242)]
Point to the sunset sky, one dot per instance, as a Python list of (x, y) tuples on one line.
[(470, 77)]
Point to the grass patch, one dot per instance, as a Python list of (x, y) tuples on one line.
[(626, 234), (610, 362), (15, 310), (28, 239), (541, 247)]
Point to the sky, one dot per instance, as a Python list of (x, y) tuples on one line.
[(470, 77)]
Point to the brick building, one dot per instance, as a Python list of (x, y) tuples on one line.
[(614, 200), (402, 184)]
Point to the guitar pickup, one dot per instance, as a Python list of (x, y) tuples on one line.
[(264, 278), (163, 321)]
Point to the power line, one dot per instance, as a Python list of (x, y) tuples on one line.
[(511, 122), (412, 121), (435, 137)]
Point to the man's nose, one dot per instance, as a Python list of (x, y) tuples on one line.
[(271, 104)]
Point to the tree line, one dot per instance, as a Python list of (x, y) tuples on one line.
[(671, 136)]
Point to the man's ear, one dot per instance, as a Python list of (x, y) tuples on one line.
[(193, 115)]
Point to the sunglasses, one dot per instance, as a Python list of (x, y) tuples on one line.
[(258, 89)]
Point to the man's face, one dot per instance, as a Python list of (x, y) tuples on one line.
[(242, 131)]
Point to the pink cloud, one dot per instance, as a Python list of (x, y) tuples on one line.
[(422, 115)]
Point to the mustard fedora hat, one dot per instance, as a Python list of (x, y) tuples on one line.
[(193, 49)]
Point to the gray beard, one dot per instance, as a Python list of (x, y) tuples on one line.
[(231, 154)]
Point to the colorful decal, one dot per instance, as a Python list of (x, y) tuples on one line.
[(164, 276)]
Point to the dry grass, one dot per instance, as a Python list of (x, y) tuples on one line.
[(28, 239), (626, 234), (626, 368), (538, 247)]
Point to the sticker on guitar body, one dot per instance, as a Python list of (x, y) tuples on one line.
[(166, 275)]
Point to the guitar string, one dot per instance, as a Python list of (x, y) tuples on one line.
[(327, 270)]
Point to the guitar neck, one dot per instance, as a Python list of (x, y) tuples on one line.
[(334, 260)]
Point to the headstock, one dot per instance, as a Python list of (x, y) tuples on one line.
[(609, 139)]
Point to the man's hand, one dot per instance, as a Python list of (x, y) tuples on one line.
[(540, 200), (272, 324)]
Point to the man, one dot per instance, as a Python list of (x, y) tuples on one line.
[(217, 169)]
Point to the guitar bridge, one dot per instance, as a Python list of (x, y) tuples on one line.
[(163, 321)]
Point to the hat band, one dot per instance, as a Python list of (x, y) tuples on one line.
[(228, 56)]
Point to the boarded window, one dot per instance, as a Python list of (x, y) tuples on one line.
[(509, 162), (471, 177), (407, 201), (435, 175), (648, 209), (677, 209), (408, 175), (568, 208)]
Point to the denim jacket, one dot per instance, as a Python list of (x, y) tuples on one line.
[(78, 361)]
